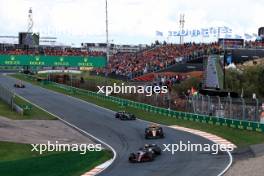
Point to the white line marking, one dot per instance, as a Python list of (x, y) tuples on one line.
[(85, 132), (219, 139)]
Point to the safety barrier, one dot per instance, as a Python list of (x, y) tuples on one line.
[(219, 121), (7, 96)]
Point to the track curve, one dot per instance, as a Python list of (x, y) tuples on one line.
[(125, 136)]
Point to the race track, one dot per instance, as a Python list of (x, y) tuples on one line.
[(125, 136)]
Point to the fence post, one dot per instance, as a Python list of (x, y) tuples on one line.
[(230, 106), (243, 109), (208, 104), (256, 109), (219, 103), (187, 103), (193, 104), (203, 104)]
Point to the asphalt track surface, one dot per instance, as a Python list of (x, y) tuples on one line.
[(125, 137)]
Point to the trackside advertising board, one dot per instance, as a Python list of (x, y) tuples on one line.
[(66, 61)]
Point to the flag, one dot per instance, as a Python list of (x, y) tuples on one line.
[(228, 36), (238, 36), (158, 33), (254, 35), (193, 91), (247, 36), (229, 60), (225, 30)]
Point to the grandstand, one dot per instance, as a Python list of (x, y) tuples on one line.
[(132, 65), (141, 62), (9, 49)]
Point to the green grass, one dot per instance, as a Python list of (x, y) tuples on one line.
[(241, 138), (18, 160), (6, 111), (33, 114)]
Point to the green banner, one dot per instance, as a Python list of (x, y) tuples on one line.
[(67, 61)]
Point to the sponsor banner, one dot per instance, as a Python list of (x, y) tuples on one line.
[(203, 32), (52, 61)]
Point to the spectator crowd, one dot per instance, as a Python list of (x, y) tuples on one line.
[(158, 58), (168, 80), (50, 51), (254, 44)]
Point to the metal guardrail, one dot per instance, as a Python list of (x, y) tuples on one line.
[(208, 119), (8, 97)]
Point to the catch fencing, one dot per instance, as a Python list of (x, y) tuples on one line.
[(228, 107), (201, 109), (243, 124)]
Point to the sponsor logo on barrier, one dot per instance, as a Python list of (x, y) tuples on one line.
[(249, 128), (240, 127), (233, 126), (211, 122), (259, 129)]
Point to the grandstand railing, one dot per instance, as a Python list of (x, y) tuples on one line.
[(242, 124)]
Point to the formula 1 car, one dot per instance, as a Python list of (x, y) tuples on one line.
[(122, 115), (19, 85), (153, 132), (146, 154), (141, 156), (154, 148)]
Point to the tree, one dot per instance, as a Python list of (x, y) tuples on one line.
[(251, 80)]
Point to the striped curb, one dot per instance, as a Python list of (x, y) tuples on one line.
[(98, 169), (209, 136)]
